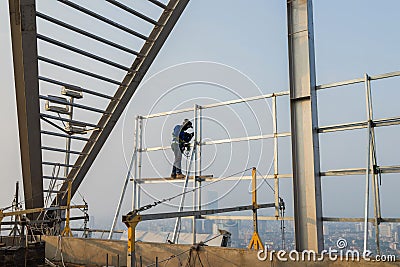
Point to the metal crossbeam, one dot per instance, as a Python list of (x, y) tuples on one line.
[(304, 120)]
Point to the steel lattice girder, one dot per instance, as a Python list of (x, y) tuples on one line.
[(24, 40), (125, 92)]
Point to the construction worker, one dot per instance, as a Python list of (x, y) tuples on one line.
[(180, 140)]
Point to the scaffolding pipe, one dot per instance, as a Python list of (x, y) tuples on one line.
[(275, 132), (367, 171), (181, 204), (135, 170), (198, 152), (121, 199), (68, 141)]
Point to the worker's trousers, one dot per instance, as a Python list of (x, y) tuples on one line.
[(176, 169)]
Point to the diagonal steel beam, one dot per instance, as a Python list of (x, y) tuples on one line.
[(125, 92), (24, 46)]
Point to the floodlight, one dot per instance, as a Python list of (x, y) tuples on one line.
[(74, 92), (57, 104), (75, 128)]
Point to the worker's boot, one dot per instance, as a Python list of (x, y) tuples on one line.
[(179, 176), (173, 175)]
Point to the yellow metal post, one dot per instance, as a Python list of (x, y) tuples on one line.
[(67, 229), (255, 241), (131, 220)]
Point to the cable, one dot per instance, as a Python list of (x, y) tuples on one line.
[(195, 247), (265, 180), (170, 257), (61, 121), (189, 258), (212, 238)]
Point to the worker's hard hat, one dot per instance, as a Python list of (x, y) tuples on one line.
[(188, 123)]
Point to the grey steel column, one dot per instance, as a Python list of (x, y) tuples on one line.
[(24, 46), (195, 171), (304, 125)]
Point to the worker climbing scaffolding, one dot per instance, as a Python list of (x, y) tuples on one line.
[(180, 143)]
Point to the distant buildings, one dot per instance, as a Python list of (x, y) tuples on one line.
[(385, 230)]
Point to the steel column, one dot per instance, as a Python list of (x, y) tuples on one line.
[(304, 125), (24, 46)]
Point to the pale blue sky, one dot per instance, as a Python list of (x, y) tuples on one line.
[(351, 38)]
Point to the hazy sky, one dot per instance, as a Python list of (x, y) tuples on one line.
[(248, 42)]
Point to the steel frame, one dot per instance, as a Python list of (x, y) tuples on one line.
[(303, 97), (139, 181), (24, 15), (304, 120)]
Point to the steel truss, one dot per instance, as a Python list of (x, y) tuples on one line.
[(36, 123)]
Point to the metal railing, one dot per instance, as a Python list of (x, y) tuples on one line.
[(372, 168)]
